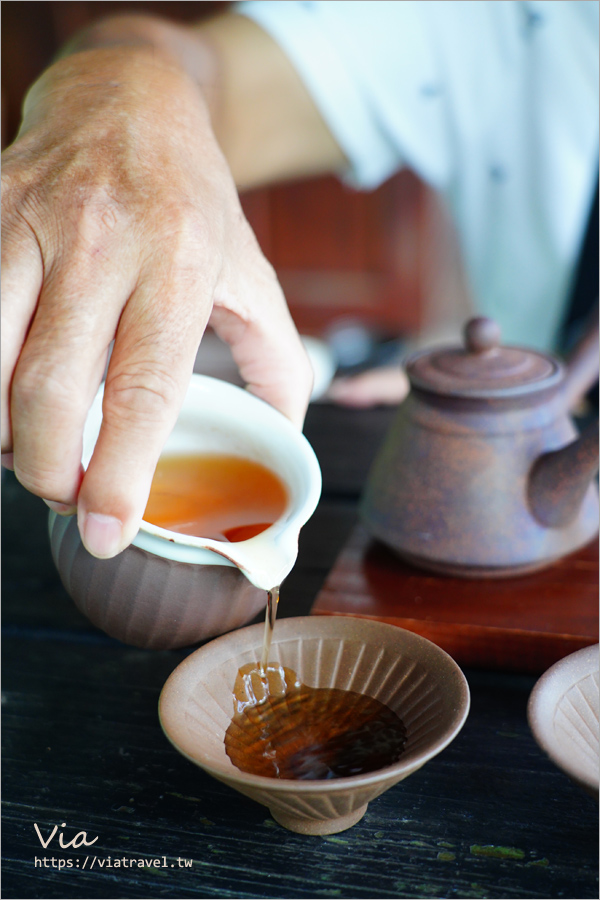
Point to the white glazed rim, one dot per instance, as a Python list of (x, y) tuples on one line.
[(223, 395)]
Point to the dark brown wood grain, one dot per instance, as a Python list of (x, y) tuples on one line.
[(490, 817), (517, 624)]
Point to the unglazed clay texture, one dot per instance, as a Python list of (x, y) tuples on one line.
[(147, 601), (412, 676), (563, 715), (482, 474)]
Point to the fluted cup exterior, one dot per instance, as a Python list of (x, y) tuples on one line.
[(150, 601)]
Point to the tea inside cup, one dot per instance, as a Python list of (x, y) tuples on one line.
[(410, 675)]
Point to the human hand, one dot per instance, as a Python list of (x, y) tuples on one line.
[(382, 386), (120, 220)]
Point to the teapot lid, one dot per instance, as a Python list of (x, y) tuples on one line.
[(483, 368)]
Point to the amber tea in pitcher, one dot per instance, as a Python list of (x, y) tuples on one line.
[(215, 496)]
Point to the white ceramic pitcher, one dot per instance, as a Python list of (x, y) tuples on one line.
[(169, 589)]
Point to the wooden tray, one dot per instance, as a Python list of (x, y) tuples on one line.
[(520, 624)]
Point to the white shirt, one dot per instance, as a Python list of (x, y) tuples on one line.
[(492, 102)]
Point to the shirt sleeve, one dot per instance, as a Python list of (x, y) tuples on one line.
[(398, 83), (493, 103), (309, 35)]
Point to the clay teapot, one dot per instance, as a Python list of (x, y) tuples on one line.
[(482, 473)]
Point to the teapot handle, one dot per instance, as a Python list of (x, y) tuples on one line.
[(583, 364)]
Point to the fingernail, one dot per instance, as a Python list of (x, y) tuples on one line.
[(102, 535), (63, 509), (7, 461)]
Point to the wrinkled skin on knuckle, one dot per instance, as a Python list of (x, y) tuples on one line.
[(99, 211), (51, 479), (9, 189), (182, 254), (17, 236), (14, 224), (91, 201), (45, 401), (17, 173), (141, 396), (110, 175), (62, 218), (86, 167), (42, 387), (42, 481), (193, 224), (92, 231)]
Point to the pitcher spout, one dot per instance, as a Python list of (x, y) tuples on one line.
[(265, 559), (560, 479)]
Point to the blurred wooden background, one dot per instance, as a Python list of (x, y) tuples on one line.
[(387, 258)]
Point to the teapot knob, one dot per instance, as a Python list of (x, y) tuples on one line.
[(481, 334)]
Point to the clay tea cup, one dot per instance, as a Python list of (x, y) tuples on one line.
[(168, 589), (412, 676), (563, 712)]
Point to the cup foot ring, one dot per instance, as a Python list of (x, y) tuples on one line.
[(303, 825)]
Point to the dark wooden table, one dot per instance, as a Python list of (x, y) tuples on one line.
[(489, 817)]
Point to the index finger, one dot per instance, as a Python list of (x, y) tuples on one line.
[(149, 371)]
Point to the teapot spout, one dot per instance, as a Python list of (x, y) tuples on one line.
[(582, 364), (559, 479)]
